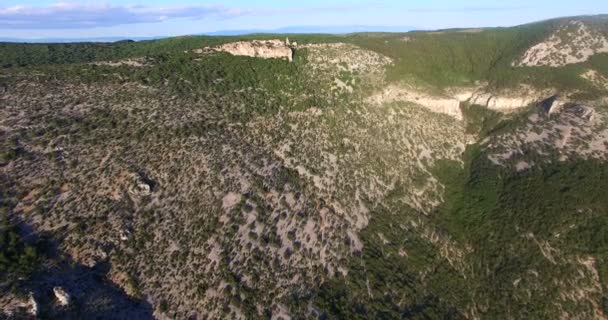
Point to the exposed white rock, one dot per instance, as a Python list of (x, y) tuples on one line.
[(341, 86), (449, 103), (230, 200), (556, 106), (267, 49), (124, 235), (595, 78), (463, 95), (63, 298), (136, 62), (446, 105), (573, 129), (503, 103), (441, 105), (138, 187), (141, 190), (33, 306), (280, 312), (522, 166), (16, 305), (573, 42)]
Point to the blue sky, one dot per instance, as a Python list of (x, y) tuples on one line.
[(103, 18)]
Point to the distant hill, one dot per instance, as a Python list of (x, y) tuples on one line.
[(75, 40), (314, 29), (289, 30)]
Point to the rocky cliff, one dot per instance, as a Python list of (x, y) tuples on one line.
[(267, 49), (450, 101), (439, 104)]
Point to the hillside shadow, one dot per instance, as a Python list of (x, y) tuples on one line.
[(92, 295)]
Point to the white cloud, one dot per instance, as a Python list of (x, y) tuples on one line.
[(67, 15)]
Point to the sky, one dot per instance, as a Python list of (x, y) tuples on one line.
[(126, 18)]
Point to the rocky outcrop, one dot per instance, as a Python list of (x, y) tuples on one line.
[(267, 49), (560, 127), (573, 42), (441, 105), (140, 186), (449, 103), (553, 105), (63, 298), (596, 78), (502, 103), (16, 307), (33, 306), (141, 190), (445, 105), (135, 62), (124, 235)]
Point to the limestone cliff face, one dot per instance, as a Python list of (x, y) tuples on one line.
[(267, 49), (446, 105), (441, 105), (505, 100), (449, 102), (503, 103)]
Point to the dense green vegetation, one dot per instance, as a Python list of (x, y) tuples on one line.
[(505, 217), (18, 259), (438, 59), (528, 232), (33, 54), (385, 284), (464, 57), (254, 86), (501, 212)]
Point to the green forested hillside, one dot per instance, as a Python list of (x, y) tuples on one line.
[(26, 54), (438, 58), (462, 57)]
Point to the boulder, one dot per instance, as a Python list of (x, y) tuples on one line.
[(33, 306), (124, 235), (16, 306), (143, 189), (63, 298)]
